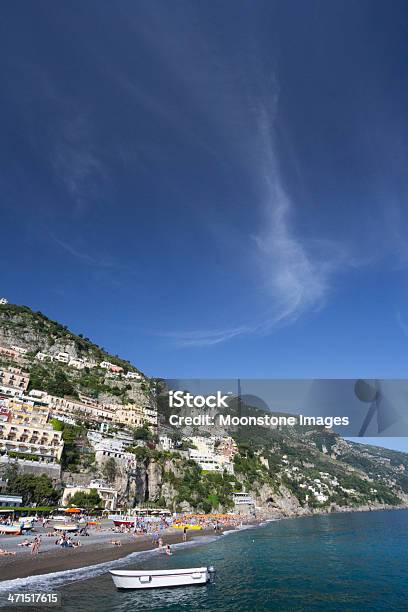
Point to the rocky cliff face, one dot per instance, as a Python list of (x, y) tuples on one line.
[(145, 482)]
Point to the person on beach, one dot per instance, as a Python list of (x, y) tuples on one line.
[(6, 553), (168, 550), (35, 545), (160, 543), (185, 534)]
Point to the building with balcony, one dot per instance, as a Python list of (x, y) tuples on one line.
[(39, 441), (205, 455), (70, 408), (27, 413), (14, 377), (107, 493)]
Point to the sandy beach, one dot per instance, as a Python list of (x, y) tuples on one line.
[(96, 548)]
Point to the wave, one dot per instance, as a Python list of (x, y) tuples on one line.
[(53, 580)]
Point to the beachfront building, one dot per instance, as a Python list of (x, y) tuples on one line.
[(242, 499), (107, 493), (3, 301), (14, 377), (11, 501)]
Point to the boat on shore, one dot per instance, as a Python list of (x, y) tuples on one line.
[(135, 579), (10, 529), (68, 527)]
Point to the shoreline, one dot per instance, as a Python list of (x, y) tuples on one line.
[(54, 559)]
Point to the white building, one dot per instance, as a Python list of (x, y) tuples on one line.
[(107, 493), (77, 363), (3, 301), (19, 349), (10, 500), (242, 498), (43, 356), (206, 457), (103, 443), (166, 442), (135, 375), (11, 391), (62, 357)]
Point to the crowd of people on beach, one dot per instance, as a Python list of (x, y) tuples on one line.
[(155, 527)]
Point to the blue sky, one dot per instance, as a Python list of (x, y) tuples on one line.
[(211, 189)]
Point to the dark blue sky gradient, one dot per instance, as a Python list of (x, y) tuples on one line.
[(211, 189)]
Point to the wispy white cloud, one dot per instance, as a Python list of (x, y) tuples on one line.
[(402, 323), (206, 338), (293, 274), (88, 259), (294, 270), (75, 160)]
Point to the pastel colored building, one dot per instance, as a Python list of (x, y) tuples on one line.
[(14, 377)]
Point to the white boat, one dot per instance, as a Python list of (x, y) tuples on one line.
[(129, 579), (66, 527), (10, 529)]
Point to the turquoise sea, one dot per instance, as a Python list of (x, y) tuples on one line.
[(353, 561)]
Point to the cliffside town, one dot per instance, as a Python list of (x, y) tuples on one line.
[(91, 423)]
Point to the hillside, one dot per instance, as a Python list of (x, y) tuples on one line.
[(298, 469), (21, 326), (289, 470)]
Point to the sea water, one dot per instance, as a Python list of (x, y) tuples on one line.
[(351, 561)]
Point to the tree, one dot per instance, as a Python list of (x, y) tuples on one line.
[(33, 489), (142, 433), (109, 469), (61, 385), (89, 501)]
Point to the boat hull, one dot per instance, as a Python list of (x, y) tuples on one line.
[(10, 529), (67, 528), (119, 523), (159, 579)]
